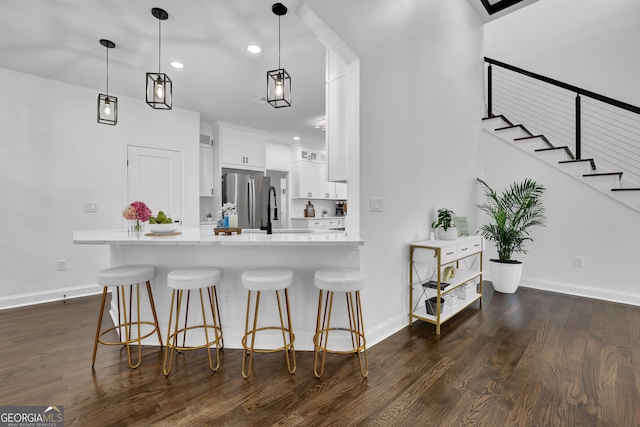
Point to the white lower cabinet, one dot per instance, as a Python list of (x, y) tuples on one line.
[(318, 223)]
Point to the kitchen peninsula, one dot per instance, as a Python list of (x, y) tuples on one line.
[(303, 253)]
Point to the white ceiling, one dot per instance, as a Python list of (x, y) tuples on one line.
[(59, 40)]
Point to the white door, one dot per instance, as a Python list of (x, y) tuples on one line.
[(154, 177), (284, 198)]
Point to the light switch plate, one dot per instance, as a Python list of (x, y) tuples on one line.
[(375, 204), (91, 207)]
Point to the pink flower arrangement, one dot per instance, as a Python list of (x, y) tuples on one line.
[(142, 211), (137, 211), (129, 213)]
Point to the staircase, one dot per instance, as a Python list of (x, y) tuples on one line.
[(610, 182)]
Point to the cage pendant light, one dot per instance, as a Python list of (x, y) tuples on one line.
[(107, 105), (159, 86), (279, 81)]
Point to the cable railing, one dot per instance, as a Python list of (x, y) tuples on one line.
[(589, 124)]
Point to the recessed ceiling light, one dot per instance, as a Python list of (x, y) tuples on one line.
[(254, 49), (176, 64), (297, 138)]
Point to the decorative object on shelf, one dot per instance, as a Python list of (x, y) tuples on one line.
[(209, 217), (309, 210), (449, 273), (513, 212), (279, 81), (324, 213), (159, 85), (432, 303), (107, 105), (462, 225), (444, 225), (229, 215), (138, 213)]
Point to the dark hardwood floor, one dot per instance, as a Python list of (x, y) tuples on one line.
[(528, 359)]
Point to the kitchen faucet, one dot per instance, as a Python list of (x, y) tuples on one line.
[(275, 210)]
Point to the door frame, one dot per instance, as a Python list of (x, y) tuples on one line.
[(125, 178)]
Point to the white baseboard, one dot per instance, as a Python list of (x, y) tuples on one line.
[(604, 294), (21, 300)]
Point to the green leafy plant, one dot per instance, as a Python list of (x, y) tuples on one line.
[(514, 212), (445, 219)]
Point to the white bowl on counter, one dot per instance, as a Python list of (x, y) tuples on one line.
[(163, 228)]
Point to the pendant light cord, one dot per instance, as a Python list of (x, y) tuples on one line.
[(159, 42), (107, 70), (279, 41)]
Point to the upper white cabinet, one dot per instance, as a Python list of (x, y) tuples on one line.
[(310, 177), (340, 115), (241, 148), (206, 170), (305, 180)]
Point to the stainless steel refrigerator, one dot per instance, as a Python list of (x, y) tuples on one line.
[(250, 194)]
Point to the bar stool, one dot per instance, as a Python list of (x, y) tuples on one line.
[(188, 279), (121, 277), (261, 280), (350, 282)]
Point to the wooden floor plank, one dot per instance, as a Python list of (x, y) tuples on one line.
[(527, 359)]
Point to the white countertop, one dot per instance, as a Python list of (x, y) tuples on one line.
[(204, 236)]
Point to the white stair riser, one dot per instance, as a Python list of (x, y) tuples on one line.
[(576, 169), (494, 124), (603, 183), (511, 134), (531, 144), (553, 156)]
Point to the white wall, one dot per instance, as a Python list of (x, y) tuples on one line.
[(579, 224), (53, 158), (590, 44), (420, 109)]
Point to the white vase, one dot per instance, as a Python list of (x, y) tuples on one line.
[(505, 276), (450, 234)]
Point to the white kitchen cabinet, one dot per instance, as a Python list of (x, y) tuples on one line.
[(206, 171), (305, 180), (318, 223), (341, 190), (241, 148)]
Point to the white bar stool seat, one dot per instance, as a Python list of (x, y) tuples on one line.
[(261, 280), (350, 282), (191, 279), (121, 277)]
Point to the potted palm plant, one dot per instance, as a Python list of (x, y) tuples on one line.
[(513, 212), (445, 226)]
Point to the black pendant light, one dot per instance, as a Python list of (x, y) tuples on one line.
[(159, 87), (279, 81), (107, 105)]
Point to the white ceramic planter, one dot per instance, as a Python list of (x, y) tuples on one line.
[(505, 276), (450, 234)]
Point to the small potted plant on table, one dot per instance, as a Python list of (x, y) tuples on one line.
[(445, 226)]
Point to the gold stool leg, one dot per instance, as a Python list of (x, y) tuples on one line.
[(322, 334), (245, 373), (206, 333), (361, 348), (153, 311), (217, 311), (286, 346), (215, 314), (95, 342), (168, 355)]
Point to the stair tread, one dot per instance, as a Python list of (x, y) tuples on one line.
[(604, 174), (626, 189), (593, 163), (499, 116), (515, 126), (561, 147)]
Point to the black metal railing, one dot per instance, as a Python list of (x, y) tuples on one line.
[(610, 128)]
